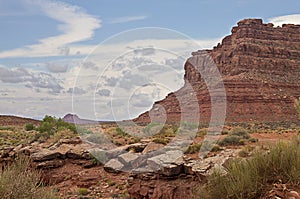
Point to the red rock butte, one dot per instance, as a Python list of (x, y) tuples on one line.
[(260, 69)]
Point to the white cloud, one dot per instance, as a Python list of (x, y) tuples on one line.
[(286, 19), (75, 25), (127, 19)]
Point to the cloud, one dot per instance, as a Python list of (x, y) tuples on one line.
[(154, 68), (176, 63), (46, 81), (111, 81), (286, 19), (144, 51), (127, 19), (130, 80), (103, 92), (141, 100), (57, 68), (34, 80), (75, 25), (89, 65), (76, 91), (15, 75)]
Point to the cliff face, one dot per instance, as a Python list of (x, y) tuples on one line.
[(260, 69)]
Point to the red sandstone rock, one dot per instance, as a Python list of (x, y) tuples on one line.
[(260, 69)]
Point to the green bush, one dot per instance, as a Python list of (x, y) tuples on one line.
[(237, 136), (51, 125), (230, 140), (248, 178), (19, 180), (29, 127), (120, 132), (241, 132)]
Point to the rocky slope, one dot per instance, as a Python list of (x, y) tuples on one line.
[(260, 69), (7, 120)]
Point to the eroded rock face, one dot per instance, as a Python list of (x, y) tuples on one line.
[(174, 175), (260, 69)]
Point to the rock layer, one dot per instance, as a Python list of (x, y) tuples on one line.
[(260, 69)]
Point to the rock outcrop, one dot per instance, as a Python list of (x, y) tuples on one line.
[(260, 69), (176, 175)]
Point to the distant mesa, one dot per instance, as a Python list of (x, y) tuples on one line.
[(74, 119)]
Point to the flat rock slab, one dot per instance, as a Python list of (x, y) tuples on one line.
[(126, 158), (45, 155)]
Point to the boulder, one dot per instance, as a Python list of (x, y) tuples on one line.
[(113, 166), (168, 164)]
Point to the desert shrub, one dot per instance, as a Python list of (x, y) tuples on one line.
[(224, 132), (201, 133), (216, 148), (247, 178), (168, 131), (41, 136), (51, 125), (29, 127), (134, 140), (189, 125), (161, 140), (120, 132), (241, 132), (253, 140), (237, 136), (7, 128), (66, 134), (193, 148), (110, 182), (153, 128), (160, 130), (245, 152), (18, 181), (83, 191), (230, 140)]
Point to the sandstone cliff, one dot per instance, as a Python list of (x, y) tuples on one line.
[(260, 69)]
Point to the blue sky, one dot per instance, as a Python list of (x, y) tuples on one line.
[(45, 46)]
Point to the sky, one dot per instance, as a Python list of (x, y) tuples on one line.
[(110, 59)]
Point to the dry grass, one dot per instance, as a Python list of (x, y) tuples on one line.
[(247, 178), (18, 181)]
